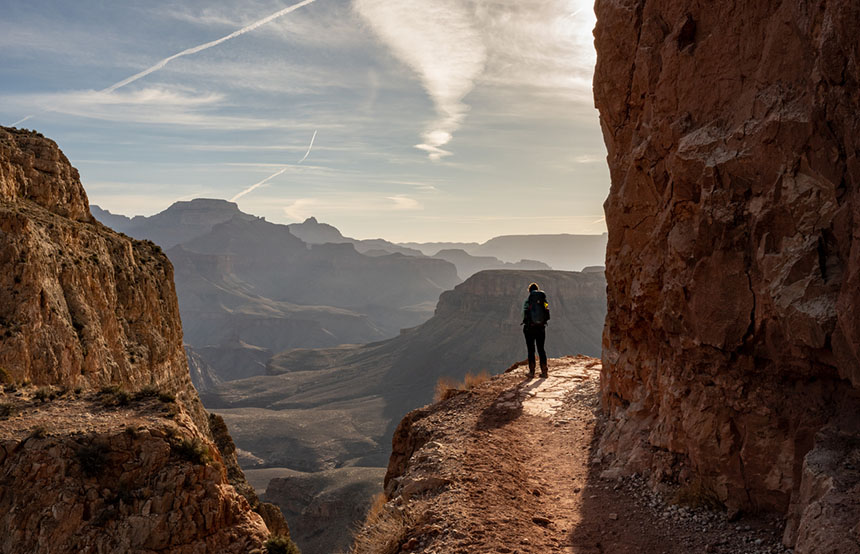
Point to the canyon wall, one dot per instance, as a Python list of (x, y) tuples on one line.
[(104, 445), (732, 340)]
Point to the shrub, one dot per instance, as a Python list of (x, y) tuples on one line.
[(39, 432), (446, 387), (91, 458), (6, 410), (5, 377), (167, 397), (43, 394), (114, 395), (471, 380), (193, 450), (149, 391), (383, 531), (279, 544), (11, 387)]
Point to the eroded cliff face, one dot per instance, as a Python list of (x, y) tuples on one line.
[(80, 305), (104, 445), (732, 336)]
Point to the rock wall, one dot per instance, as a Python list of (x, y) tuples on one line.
[(732, 336), (88, 310), (80, 305)]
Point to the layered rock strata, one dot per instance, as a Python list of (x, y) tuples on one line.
[(732, 337), (90, 338)]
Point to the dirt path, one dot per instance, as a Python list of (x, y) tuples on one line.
[(508, 468)]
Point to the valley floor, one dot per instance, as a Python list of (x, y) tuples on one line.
[(509, 467)]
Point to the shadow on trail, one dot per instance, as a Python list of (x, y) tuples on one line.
[(507, 406), (611, 522)]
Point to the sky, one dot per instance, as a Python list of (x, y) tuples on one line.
[(410, 120)]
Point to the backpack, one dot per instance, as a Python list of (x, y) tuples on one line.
[(537, 311)]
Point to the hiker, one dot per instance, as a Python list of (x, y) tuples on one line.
[(535, 317)]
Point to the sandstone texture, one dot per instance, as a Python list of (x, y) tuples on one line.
[(732, 336), (81, 475), (80, 305), (105, 444)]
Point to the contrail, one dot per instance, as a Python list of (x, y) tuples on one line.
[(20, 121), (311, 145), (260, 184), (273, 175), (194, 50), (201, 47)]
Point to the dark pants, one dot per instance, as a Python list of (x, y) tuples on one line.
[(535, 335)]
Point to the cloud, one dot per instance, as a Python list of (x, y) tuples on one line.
[(206, 45), (337, 205), (153, 105), (440, 42), (402, 202)]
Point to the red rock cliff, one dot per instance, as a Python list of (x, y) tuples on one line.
[(733, 265), (135, 467)]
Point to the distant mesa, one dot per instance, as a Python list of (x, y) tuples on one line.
[(249, 288), (325, 408), (468, 265)]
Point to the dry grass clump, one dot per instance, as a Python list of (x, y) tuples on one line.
[(7, 410), (114, 395), (384, 531), (446, 387), (151, 391)]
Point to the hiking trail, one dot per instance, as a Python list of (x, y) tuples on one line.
[(509, 466)]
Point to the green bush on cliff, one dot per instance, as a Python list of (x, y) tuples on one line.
[(193, 450), (279, 544)]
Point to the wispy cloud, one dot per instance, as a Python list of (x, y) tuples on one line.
[(155, 106), (189, 51), (333, 206), (437, 40), (403, 202), (207, 45)]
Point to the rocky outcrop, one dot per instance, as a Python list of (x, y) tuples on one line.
[(81, 473), (324, 508), (127, 461), (732, 335)]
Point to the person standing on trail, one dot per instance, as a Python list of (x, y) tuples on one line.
[(535, 317)]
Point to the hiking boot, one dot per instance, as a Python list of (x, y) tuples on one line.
[(530, 374), (543, 371), (531, 369)]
